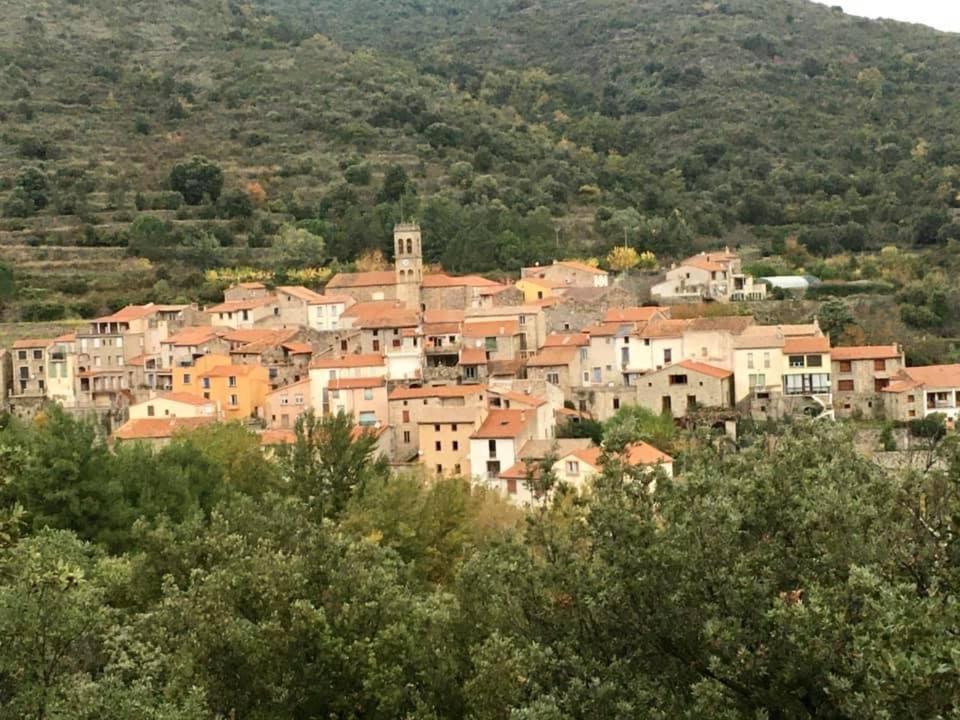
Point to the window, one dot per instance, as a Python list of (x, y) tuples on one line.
[(186, 378), (597, 377), (911, 413), (234, 400), (406, 416), (376, 346), (456, 469), (492, 448), (439, 469), (523, 319), (879, 365), (406, 436), (150, 411), (750, 361), (453, 427), (691, 402), (206, 396), (511, 486), (367, 418), (470, 372), (438, 446), (38, 354), (24, 373), (910, 399), (845, 385), (796, 361), (616, 403), (23, 386), (573, 467), (814, 360), (583, 354), (368, 394), (766, 361), (667, 356), (879, 384), (553, 378), (846, 366), (758, 381), (232, 381), (205, 382), (678, 379), (455, 445), (22, 355), (273, 372), (490, 344), (493, 469)]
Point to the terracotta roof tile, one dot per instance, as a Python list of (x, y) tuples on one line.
[(440, 315), (362, 279), (441, 280), (567, 339), (473, 356), (934, 376), (662, 329), (302, 384), (381, 314), (634, 314), (519, 398), (193, 336), (704, 369), (238, 305), (638, 454), (130, 312), (501, 424), (553, 356), (185, 398), (865, 352), (301, 293), (33, 343), (490, 328), (582, 267)]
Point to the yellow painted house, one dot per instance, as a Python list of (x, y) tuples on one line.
[(534, 288), (239, 391)]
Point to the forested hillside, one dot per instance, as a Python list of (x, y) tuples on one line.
[(514, 131)]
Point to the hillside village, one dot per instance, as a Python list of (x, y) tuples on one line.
[(463, 375)]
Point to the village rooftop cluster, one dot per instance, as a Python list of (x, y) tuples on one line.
[(464, 375)]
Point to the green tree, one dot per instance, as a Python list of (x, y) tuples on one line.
[(197, 179), (295, 248)]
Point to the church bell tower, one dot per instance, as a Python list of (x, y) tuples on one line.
[(408, 266)]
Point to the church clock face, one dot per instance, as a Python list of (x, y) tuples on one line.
[(404, 263)]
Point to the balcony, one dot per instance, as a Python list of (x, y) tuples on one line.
[(445, 349)]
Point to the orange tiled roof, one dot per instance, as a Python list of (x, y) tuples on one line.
[(248, 336), (251, 286), (158, 428), (130, 312), (33, 343), (237, 305), (490, 328), (639, 453), (702, 263), (347, 361), (567, 339), (553, 356), (704, 369), (439, 315), (582, 267), (381, 313), (448, 328), (363, 279), (185, 398), (473, 356), (807, 345), (608, 329), (357, 383), (935, 376), (441, 280), (192, 336), (734, 324), (435, 391), (137, 360), (519, 397), (298, 348), (865, 352), (67, 338), (302, 293), (634, 314), (503, 424), (662, 329)]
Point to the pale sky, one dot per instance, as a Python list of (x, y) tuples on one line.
[(941, 14)]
